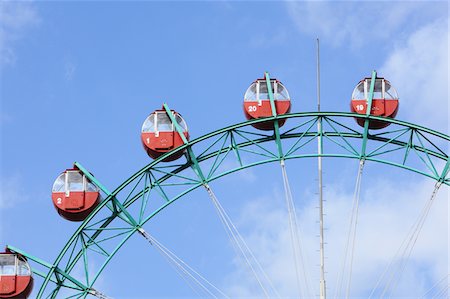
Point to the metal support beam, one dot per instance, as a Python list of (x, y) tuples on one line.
[(191, 155), (274, 114), (244, 142), (368, 111), (53, 270), (319, 164), (114, 200), (445, 172)]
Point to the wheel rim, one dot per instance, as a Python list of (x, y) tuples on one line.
[(218, 145)]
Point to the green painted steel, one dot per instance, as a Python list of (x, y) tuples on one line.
[(92, 178), (115, 203), (276, 124), (191, 156), (105, 231), (269, 91), (76, 284), (174, 122), (368, 111)]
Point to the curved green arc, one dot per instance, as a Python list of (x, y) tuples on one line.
[(292, 115), (164, 206), (206, 157)]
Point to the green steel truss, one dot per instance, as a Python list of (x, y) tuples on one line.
[(138, 199)]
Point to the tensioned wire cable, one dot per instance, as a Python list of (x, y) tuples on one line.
[(100, 295), (238, 241), (295, 236), (351, 236), (355, 224), (183, 267), (437, 286), (92, 292), (443, 293), (177, 269), (404, 252)]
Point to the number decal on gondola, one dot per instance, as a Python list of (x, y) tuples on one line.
[(159, 135), (257, 103), (384, 101), (79, 194)]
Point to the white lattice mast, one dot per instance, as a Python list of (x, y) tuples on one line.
[(320, 150)]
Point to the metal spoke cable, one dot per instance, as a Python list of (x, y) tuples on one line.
[(392, 264), (184, 274), (443, 293), (357, 197), (402, 248), (295, 236), (437, 285), (234, 240), (237, 240), (351, 237), (406, 244), (181, 273), (412, 240), (196, 277), (185, 268), (98, 294), (191, 283)]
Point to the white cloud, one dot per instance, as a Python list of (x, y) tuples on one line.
[(264, 39), (356, 23), (15, 18), (384, 219), (419, 71), (69, 70), (12, 192), (416, 35), (5, 118)]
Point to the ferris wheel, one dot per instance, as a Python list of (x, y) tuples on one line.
[(108, 220)]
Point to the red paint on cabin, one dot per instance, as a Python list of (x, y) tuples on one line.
[(74, 196), (156, 146), (385, 105), (255, 109), (159, 135), (257, 103), (16, 281), (76, 205)]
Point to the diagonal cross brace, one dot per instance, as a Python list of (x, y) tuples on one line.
[(54, 269), (192, 157), (445, 171), (109, 194), (368, 110), (274, 114)]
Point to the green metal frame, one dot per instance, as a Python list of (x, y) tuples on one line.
[(124, 211), (368, 110)]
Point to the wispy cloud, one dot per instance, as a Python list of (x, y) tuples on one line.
[(419, 71), (264, 39), (69, 70), (4, 119), (354, 23), (12, 192), (384, 221), (16, 17)]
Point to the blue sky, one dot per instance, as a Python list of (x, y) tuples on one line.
[(79, 78)]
